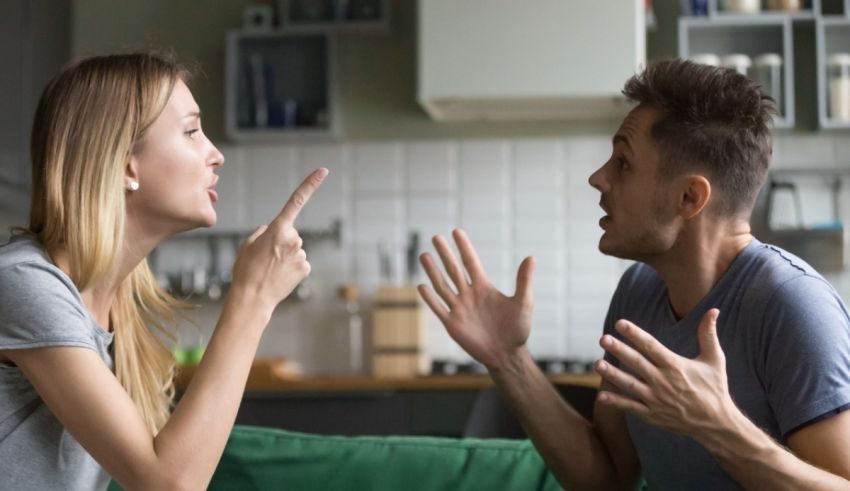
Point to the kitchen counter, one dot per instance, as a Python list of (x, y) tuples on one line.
[(438, 405), (262, 378)]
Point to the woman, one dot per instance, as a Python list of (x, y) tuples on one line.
[(120, 163)]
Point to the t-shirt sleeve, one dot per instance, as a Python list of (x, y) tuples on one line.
[(40, 308), (805, 359)]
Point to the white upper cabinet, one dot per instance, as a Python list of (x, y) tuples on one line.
[(527, 60)]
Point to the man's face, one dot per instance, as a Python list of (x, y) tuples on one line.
[(640, 205)]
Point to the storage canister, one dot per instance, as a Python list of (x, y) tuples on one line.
[(706, 59), (838, 76), (738, 62), (742, 6), (767, 72)]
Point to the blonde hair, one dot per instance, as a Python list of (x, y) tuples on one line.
[(89, 120)]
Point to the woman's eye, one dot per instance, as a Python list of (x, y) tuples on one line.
[(624, 164), (191, 133)]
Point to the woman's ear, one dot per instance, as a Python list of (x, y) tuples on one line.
[(131, 174), (696, 191)]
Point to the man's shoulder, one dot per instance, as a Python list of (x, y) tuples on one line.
[(768, 268)]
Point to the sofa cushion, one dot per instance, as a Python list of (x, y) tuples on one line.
[(267, 458)]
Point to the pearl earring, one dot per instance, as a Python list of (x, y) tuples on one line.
[(134, 185)]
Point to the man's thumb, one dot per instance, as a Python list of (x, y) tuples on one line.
[(709, 345)]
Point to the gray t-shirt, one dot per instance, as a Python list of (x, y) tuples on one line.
[(40, 306), (786, 336)]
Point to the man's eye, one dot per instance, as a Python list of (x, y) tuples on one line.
[(624, 164)]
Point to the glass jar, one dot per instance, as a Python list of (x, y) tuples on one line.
[(710, 59), (738, 62), (742, 6), (838, 76), (767, 72), (787, 5)]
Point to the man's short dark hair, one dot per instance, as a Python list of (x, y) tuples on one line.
[(712, 119)]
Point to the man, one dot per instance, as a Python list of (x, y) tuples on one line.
[(733, 368)]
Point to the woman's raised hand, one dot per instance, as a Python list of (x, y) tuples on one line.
[(271, 262), (490, 326)]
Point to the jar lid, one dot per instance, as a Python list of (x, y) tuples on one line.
[(768, 59), (706, 59), (838, 59), (736, 60)]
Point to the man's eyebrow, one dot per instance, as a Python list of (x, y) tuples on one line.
[(620, 138)]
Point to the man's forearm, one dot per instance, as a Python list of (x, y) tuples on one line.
[(758, 462), (568, 443)]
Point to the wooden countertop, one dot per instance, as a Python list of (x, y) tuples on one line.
[(261, 379)]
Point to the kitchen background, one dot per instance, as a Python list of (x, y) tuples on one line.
[(518, 188)]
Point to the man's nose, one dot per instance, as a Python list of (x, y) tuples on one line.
[(598, 180)]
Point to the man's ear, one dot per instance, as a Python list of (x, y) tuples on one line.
[(695, 193)]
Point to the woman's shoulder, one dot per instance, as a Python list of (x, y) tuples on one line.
[(25, 265), (39, 304)]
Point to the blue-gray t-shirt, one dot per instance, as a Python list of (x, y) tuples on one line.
[(40, 307), (786, 336)]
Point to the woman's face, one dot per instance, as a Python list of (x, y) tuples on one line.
[(174, 167)]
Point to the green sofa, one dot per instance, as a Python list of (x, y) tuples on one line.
[(257, 458)]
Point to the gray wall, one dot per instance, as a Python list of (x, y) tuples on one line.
[(377, 72), (34, 37)]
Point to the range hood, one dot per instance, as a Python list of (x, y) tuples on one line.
[(496, 60)]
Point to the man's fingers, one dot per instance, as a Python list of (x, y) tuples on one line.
[(301, 195), (469, 256), (450, 263), (434, 303), (647, 345), (436, 277), (629, 357), (709, 345), (623, 403), (627, 383), (523, 279)]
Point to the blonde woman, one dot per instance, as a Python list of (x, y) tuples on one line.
[(120, 163)]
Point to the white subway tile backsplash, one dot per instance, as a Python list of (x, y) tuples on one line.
[(545, 343), (231, 206), (533, 234), (431, 167), (583, 347), (335, 158), (487, 233), (443, 208), (514, 198), (586, 153), (538, 166), (539, 206), (270, 181), (484, 166), (378, 168), (804, 151), (485, 206)]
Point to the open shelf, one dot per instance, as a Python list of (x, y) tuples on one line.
[(280, 85), (752, 35)]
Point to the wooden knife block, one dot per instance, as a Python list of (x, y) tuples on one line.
[(398, 334)]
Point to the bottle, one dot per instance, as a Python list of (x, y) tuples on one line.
[(349, 293)]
